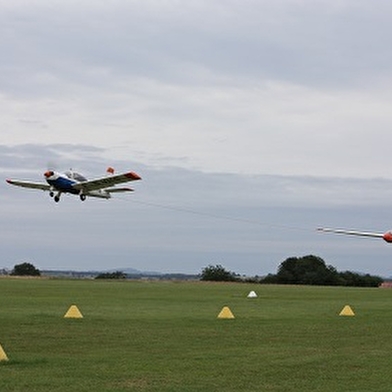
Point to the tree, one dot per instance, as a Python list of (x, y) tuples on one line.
[(359, 280), (308, 270), (312, 270), (25, 269), (218, 274), (112, 275)]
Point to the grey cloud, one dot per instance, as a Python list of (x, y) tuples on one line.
[(298, 42), (33, 157), (194, 187)]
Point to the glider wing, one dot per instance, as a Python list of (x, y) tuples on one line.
[(352, 232)]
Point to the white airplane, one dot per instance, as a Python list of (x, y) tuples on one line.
[(387, 236), (76, 184)]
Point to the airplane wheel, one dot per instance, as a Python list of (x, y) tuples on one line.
[(56, 199), (51, 194), (83, 197)]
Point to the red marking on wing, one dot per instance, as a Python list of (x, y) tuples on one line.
[(133, 176), (387, 236)]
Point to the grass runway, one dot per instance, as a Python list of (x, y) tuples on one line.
[(165, 336)]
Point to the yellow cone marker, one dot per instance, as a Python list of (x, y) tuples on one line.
[(73, 312), (347, 311), (226, 313), (3, 355)]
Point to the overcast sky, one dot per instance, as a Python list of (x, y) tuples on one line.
[(251, 123)]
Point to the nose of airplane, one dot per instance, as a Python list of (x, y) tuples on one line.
[(48, 174)]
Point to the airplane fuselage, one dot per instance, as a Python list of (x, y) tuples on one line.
[(63, 184)]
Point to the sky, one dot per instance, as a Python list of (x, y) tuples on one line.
[(251, 123)]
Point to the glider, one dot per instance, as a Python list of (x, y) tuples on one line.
[(387, 236), (76, 184)]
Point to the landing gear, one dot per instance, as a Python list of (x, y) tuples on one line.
[(82, 197), (56, 197)]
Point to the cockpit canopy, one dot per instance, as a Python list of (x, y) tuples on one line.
[(75, 176)]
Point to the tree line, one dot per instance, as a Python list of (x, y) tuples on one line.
[(306, 270)]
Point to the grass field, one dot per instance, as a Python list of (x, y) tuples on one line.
[(165, 336)]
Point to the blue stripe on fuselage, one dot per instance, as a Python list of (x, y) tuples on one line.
[(63, 185)]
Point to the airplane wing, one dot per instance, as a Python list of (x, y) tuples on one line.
[(28, 184), (352, 232), (105, 182)]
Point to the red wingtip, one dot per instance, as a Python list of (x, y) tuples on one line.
[(387, 236), (133, 176)]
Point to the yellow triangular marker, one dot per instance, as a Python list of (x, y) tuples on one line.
[(226, 313), (347, 311), (3, 355), (73, 312)]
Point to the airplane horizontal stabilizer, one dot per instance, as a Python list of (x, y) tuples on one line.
[(118, 190)]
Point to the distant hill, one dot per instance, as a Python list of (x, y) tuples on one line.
[(131, 273)]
